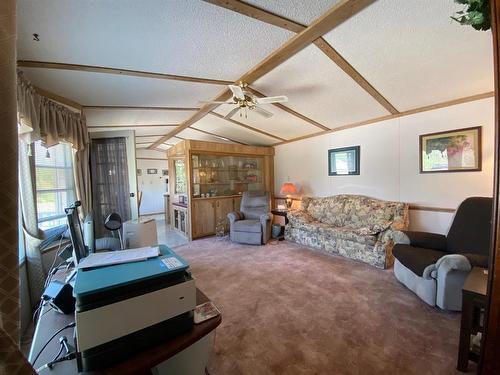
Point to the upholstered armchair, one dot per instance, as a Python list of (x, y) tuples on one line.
[(435, 266), (252, 223)]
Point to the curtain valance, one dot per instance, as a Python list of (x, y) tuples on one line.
[(42, 119)]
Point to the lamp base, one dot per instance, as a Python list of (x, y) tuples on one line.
[(288, 202)]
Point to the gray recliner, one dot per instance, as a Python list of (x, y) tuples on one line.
[(252, 223), (435, 266)]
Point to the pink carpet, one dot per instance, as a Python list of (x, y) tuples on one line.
[(287, 309)]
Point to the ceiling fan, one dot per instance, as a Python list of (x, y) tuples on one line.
[(245, 100)]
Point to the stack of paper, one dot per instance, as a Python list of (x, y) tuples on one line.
[(116, 257)]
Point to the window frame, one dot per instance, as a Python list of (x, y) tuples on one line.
[(70, 191)]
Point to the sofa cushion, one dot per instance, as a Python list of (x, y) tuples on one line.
[(252, 226), (327, 210), (416, 259), (349, 234)]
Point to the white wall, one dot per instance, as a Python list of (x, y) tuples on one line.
[(153, 186), (390, 163)]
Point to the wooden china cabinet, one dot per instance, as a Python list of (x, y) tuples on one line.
[(209, 178)]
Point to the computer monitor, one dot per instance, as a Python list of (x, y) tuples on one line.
[(75, 232)]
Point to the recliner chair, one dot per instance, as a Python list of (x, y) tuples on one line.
[(435, 266), (252, 224)]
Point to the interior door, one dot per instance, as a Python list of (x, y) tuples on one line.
[(114, 185)]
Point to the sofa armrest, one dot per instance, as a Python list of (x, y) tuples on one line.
[(235, 216), (299, 216)]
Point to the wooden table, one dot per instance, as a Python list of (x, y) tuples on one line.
[(473, 301), (140, 363)]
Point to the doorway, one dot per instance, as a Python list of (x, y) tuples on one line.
[(110, 180)]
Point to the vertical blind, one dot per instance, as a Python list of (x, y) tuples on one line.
[(55, 187)]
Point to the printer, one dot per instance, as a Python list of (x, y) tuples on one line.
[(123, 308)]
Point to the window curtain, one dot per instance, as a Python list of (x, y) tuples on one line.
[(41, 119), (110, 180), (12, 361)]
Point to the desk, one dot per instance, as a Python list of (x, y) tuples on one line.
[(140, 363), (473, 301)]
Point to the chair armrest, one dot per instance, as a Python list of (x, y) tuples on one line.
[(455, 262), (477, 260), (264, 218), (235, 216), (421, 239)]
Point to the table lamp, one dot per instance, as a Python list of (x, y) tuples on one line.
[(288, 189)]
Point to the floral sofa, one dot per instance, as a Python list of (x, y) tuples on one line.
[(353, 226)]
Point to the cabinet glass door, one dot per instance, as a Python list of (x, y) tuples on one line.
[(225, 175)]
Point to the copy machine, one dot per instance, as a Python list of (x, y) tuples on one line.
[(128, 307)]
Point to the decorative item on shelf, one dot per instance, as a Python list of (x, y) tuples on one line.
[(288, 189), (164, 172), (139, 172), (251, 177), (344, 161), (250, 165), (451, 151), (152, 171)]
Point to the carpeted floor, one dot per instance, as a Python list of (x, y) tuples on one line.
[(287, 309)]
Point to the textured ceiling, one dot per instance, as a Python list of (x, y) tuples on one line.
[(319, 89), (301, 11), (111, 89), (414, 54), (98, 117), (224, 128), (281, 124), (176, 37), (410, 51)]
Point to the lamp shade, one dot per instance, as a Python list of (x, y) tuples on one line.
[(288, 188)]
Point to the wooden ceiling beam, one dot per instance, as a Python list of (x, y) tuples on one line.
[(291, 111), (218, 136), (118, 71), (140, 108), (260, 14), (143, 126), (409, 112), (58, 98), (335, 16), (202, 112), (251, 128)]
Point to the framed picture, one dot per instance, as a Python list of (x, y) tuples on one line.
[(344, 161), (164, 172), (152, 171), (139, 172), (451, 151)]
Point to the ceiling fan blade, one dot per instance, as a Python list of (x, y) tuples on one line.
[(237, 91), (232, 113), (262, 112), (272, 99), (212, 102)]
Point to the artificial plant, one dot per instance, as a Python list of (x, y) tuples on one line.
[(476, 14)]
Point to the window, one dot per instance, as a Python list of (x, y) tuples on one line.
[(180, 177), (55, 186)]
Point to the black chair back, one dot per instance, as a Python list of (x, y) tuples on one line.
[(471, 228)]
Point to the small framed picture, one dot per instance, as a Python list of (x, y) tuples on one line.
[(152, 171), (456, 150), (164, 172), (344, 161), (139, 172)]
